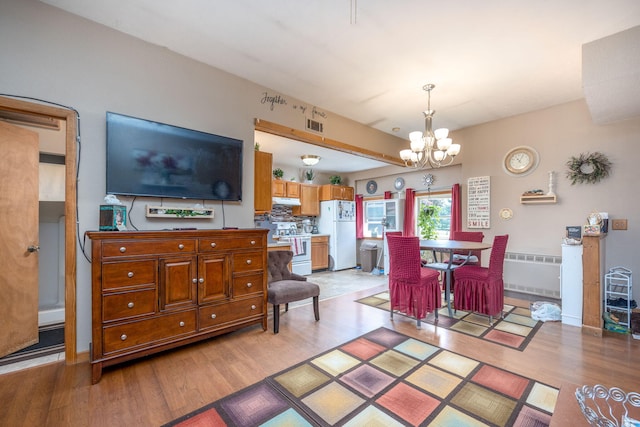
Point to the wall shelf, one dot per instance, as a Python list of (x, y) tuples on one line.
[(537, 199), (179, 212)]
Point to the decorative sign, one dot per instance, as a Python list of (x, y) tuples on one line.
[(478, 202)]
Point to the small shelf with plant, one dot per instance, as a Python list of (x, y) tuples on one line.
[(179, 212)]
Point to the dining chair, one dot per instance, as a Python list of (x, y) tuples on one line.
[(464, 257), (284, 287), (481, 289), (413, 290)]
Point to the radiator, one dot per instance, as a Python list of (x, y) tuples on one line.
[(532, 274)]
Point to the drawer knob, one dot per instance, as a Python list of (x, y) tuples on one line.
[(130, 274), (249, 285), (213, 244), (130, 305), (213, 316), (201, 280), (253, 242), (194, 280), (123, 337), (181, 324), (253, 307), (248, 261), (123, 249), (180, 246)]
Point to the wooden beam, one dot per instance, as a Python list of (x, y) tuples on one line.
[(321, 141)]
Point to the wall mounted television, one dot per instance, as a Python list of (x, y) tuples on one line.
[(147, 158)]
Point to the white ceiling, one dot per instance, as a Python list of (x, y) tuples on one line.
[(368, 60)]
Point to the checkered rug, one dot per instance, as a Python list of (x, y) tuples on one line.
[(384, 378)]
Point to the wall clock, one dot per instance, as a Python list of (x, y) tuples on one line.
[(399, 184), (520, 161), (372, 187)]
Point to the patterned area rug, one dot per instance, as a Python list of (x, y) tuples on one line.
[(515, 331), (385, 378)]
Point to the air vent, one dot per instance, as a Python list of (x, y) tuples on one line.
[(315, 126)]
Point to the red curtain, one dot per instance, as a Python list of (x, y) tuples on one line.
[(359, 217), (456, 209), (387, 194), (409, 213)]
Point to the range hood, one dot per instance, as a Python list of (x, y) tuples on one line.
[(287, 201)]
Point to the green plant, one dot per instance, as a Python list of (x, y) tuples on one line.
[(278, 173), (309, 175), (257, 146), (428, 219), (588, 168), (335, 179)]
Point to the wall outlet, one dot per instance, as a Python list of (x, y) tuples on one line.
[(619, 224)]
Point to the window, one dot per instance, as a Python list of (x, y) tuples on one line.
[(442, 199), (379, 215)]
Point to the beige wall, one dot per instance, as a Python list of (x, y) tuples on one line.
[(55, 56)]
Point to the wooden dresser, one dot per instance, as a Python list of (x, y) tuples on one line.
[(156, 290)]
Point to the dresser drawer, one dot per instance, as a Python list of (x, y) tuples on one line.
[(125, 274), (219, 314), (218, 244), (128, 304), (248, 261), (148, 331), (247, 284), (119, 248)]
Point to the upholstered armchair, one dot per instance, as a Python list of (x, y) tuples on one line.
[(285, 287)]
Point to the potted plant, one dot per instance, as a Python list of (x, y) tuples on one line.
[(335, 179), (309, 175), (278, 173), (428, 219)]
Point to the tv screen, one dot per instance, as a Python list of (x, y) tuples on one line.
[(146, 158)]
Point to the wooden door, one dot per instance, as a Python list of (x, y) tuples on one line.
[(177, 284), (213, 278), (19, 238)]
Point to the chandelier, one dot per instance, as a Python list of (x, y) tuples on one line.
[(431, 148)]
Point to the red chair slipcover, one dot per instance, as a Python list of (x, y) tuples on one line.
[(481, 289), (413, 290), (464, 236)]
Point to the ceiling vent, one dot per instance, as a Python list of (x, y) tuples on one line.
[(611, 76), (315, 126)]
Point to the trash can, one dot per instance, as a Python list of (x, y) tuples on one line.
[(368, 255)]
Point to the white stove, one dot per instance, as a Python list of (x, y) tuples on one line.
[(300, 246)]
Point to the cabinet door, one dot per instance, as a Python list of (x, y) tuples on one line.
[(293, 189), (177, 286), (278, 188), (348, 193), (309, 201), (319, 253), (262, 181), (214, 278)]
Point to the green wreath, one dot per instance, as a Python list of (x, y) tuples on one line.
[(588, 168)]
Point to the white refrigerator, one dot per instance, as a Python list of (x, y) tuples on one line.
[(338, 220)]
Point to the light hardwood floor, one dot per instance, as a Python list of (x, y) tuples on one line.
[(155, 390)]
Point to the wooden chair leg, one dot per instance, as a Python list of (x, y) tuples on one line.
[(316, 308), (276, 318), (286, 307)]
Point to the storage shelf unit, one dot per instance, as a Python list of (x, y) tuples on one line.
[(618, 293)]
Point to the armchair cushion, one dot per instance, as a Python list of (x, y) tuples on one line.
[(286, 291)]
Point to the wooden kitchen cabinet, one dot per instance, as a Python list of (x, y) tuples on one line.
[(263, 162), (282, 188), (309, 201), (592, 290), (319, 252), (336, 192), (157, 290)]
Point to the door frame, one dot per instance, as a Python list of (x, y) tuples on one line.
[(70, 204)]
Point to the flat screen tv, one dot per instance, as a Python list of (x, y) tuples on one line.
[(147, 158)]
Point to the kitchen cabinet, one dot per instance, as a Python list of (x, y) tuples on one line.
[(263, 162), (309, 201), (319, 252), (157, 290), (592, 290), (282, 188), (336, 192)]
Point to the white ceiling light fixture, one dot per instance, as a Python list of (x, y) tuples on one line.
[(310, 159), (431, 148)]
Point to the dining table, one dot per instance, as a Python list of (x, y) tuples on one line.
[(449, 247)]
